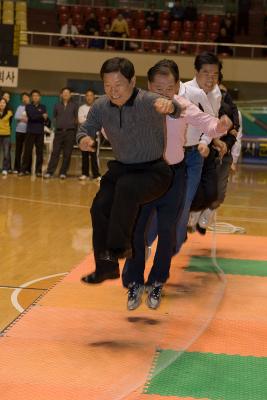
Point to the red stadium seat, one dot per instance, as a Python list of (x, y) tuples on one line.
[(63, 10), (102, 21), (173, 35), (101, 12), (129, 22), (158, 34), (133, 33), (212, 37), (164, 25), (138, 14), (80, 28), (76, 9), (145, 34), (77, 19), (201, 26), (140, 24), (216, 18), (214, 27), (187, 36), (200, 37), (63, 18), (113, 12), (176, 26), (164, 15), (188, 26), (202, 17)]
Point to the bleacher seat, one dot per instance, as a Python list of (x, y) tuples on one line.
[(145, 34), (140, 24), (164, 15), (201, 26), (176, 26), (202, 17), (164, 25), (214, 27), (173, 35), (188, 26), (76, 9)]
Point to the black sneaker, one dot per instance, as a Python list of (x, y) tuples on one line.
[(154, 295), (135, 292)]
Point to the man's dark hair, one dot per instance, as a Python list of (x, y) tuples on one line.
[(65, 88), (90, 90), (35, 91), (207, 58), (24, 94), (118, 64), (164, 67)]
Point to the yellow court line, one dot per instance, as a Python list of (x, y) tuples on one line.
[(49, 203)]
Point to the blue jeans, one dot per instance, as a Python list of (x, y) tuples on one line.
[(168, 209), (6, 146), (194, 163)]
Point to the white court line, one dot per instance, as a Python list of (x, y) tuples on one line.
[(50, 203), (15, 294)]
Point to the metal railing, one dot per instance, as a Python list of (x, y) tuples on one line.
[(160, 46)]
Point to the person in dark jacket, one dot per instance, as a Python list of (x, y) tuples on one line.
[(91, 25), (36, 117), (66, 122)]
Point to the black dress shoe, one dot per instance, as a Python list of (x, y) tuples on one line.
[(97, 277)]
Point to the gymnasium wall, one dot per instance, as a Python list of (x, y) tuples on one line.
[(85, 62)]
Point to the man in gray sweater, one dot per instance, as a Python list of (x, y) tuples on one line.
[(134, 123)]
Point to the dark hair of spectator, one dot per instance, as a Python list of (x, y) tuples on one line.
[(118, 64), (65, 88), (35, 91), (207, 58), (220, 78), (164, 67), (24, 94), (6, 107), (90, 90)]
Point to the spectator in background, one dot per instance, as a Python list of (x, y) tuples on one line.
[(36, 115), (152, 18), (21, 128), (91, 25), (223, 37), (119, 27), (68, 29), (86, 155), (5, 132), (243, 16), (190, 12), (177, 11), (97, 43), (66, 118), (228, 22), (7, 96)]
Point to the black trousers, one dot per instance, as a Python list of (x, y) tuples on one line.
[(207, 190), (168, 208), (88, 156), (37, 140), (20, 139), (223, 168), (63, 140), (123, 189)]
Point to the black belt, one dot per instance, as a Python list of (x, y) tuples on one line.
[(66, 130), (178, 165), (191, 148)]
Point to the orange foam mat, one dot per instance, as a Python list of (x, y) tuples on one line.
[(80, 342)]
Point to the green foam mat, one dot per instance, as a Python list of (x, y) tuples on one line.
[(232, 266), (209, 376)]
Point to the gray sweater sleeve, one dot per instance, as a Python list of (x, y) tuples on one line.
[(92, 125)]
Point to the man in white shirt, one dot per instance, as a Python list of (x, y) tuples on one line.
[(206, 94), (68, 29), (86, 155)]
